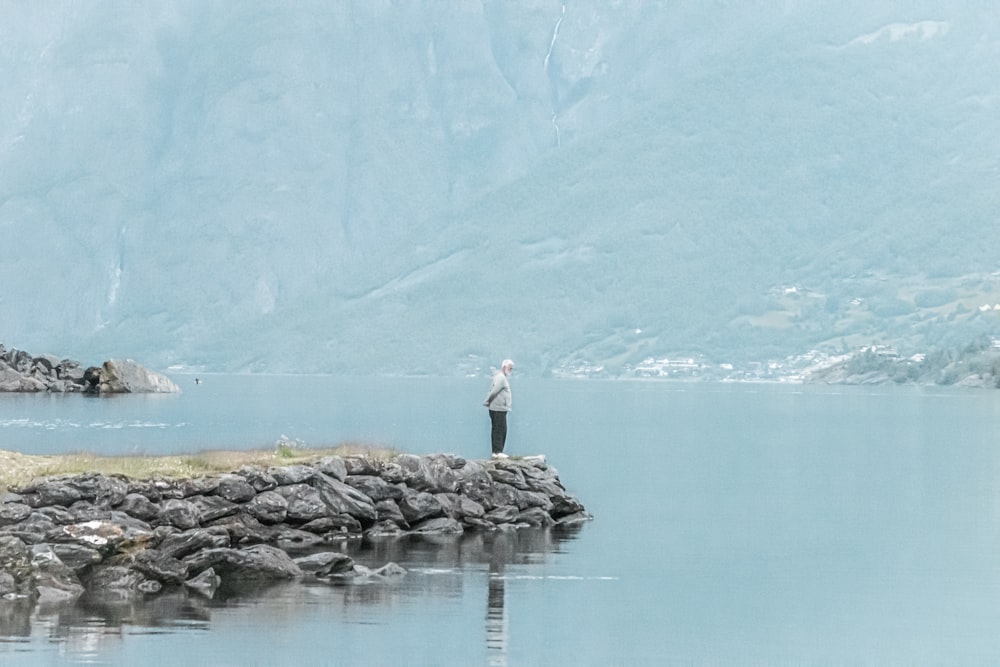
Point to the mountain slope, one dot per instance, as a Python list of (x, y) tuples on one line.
[(426, 188)]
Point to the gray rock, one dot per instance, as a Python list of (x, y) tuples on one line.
[(374, 487), (362, 574), (526, 499), (513, 477), (197, 486), (70, 371), (384, 530), (419, 505), (257, 562), (77, 557), (342, 498), (389, 571), (146, 488), (536, 517), (443, 477), (52, 492), (180, 513), (293, 474), (332, 466), (359, 465), (268, 507), (325, 563), (490, 494), (13, 513), (58, 515), (179, 545), (388, 510), (480, 524), (543, 481), (505, 514), (460, 507), (128, 521), (211, 508), (565, 505), (476, 484), (235, 488), (244, 529), (84, 510), (304, 503), (257, 478), (139, 506), (103, 491), (125, 376), (32, 530), (438, 526), (338, 523), (420, 473)]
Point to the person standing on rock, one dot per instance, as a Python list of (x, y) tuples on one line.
[(499, 403)]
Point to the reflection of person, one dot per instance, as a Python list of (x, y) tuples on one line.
[(496, 609), (499, 403)]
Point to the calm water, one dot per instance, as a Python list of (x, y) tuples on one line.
[(735, 524)]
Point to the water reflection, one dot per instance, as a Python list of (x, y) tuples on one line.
[(437, 567), (496, 609)]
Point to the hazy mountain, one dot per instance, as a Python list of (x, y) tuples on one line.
[(427, 187)]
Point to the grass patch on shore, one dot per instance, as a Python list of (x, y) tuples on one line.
[(17, 469)]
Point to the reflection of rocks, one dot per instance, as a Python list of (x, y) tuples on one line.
[(22, 372), (113, 540)]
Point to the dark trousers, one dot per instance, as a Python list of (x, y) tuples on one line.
[(498, 432)]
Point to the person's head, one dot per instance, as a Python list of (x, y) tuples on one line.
[(507, 367)]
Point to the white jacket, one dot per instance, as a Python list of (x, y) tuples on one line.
[(500, 393)]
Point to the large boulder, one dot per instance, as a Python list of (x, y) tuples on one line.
[(124, 376), (375, 487), (342, 498), (304, 503), (419, 505), (235, 488), (268, 507), (256, 562)]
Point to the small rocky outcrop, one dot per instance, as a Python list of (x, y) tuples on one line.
[(23, 372), (100, 535)]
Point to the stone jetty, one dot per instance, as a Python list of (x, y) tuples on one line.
[(97, 535), (23, 372)]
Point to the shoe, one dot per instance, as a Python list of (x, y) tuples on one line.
[(500, 455)]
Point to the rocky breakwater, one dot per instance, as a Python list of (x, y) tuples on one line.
[(23, 372), (95, 535)]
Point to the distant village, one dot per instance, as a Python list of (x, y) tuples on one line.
[(870, 363)]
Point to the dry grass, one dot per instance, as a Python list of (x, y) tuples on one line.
[(17, 469)]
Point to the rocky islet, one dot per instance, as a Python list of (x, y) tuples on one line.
[(24, 372)]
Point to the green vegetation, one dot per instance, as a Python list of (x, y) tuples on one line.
[(976, 364)]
